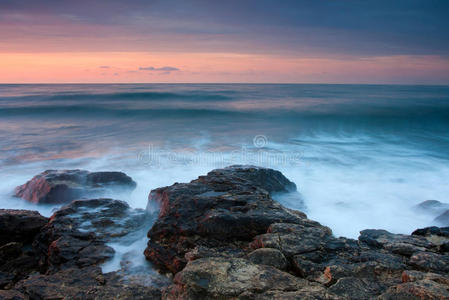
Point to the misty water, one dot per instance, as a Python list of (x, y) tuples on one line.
[(361, 155)]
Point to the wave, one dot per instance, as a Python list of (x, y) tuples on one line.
[(127, 96)]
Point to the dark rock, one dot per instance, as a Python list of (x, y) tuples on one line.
[(11, 295), (443, 219), (395, 243), (78, 232), (228, 206), (423, 289), (357, 288), (268, 256), (62, 186), (436, 235), (19, 225), (85, 283)]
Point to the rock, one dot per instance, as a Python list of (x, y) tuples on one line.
[(19, 225), (436, 235), (357, 288), (433, 207), (85, 283), (268, 256), (443, 219), (423, 289), (63, 186), (18, 229), (227, 207), (430, 262), (395, 243), (221, 278), (11, 295), (78, 232)]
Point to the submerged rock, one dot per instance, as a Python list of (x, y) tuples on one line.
[(76, 234), (62, 186)]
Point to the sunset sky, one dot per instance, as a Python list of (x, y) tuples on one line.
[(333, 41)]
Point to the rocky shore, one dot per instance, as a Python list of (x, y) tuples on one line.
[(221, 236)]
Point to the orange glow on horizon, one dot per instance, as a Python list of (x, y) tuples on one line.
[(123, 67)]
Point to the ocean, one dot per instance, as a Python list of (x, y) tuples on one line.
[(361, 155)]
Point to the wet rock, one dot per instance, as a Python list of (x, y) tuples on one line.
[(19, 225), (268, 256), (63, 186), (76, 234), (227, 207), (228, 278)]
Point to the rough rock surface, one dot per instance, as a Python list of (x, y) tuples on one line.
[(222, 236), (18, 229), (63, 186), (76, 234)]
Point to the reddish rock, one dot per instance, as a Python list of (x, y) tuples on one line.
[(62, 186)]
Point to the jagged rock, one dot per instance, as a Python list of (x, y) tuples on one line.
[(270, 257), (19, 225), (62, 186), (228, 278), (227, 207), (78, 232)]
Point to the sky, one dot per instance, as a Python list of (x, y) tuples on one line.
[(283, 41)]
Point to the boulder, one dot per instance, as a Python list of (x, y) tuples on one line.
[(63, 186), (226, 208)]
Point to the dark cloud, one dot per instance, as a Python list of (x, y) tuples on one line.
[(104, 67), (355, 27), (166, 69)]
